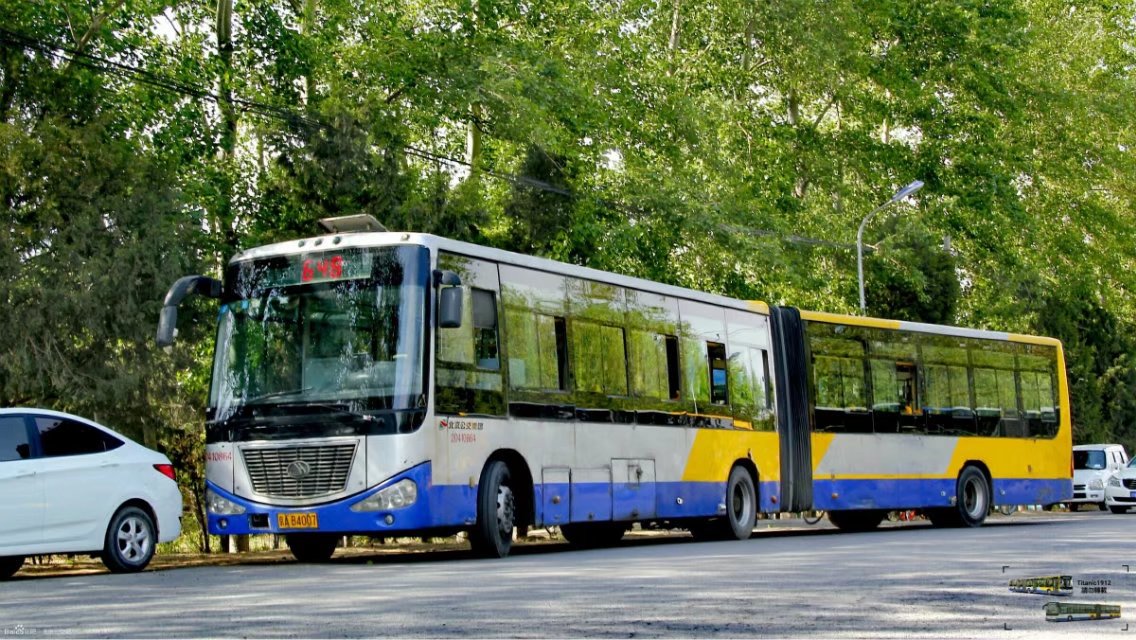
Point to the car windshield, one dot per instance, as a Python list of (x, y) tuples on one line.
[(323, 328), (1092, 459)]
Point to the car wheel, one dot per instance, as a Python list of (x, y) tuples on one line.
[(9, 565), (312, 547), (130, 541), (1118, 509)]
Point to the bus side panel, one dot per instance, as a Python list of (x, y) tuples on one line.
[(714, 453), (877, 471)]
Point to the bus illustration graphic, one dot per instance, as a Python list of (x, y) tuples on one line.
[(1070, 611)]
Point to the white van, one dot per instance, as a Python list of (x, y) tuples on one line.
[(1093, 465)]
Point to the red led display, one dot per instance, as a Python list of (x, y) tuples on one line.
[(326, 268)]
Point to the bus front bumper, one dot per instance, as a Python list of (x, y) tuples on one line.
[(426, 512)]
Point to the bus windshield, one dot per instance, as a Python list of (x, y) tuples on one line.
[(1089, 459), (342, 328)]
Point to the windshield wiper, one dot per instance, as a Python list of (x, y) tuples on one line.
[(365, 417), (275, 394)]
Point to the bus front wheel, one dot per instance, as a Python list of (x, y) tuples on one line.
[(492, 536)]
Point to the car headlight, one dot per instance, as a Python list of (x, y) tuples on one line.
[(1096, 483), (1114, 481), (397, 496), (220, 506)]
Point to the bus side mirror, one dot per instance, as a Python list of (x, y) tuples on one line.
[(450, 299), (167, 326), (450, 308), (167, 321)]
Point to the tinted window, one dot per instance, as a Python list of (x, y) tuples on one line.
[(14, 443), (63, 437)]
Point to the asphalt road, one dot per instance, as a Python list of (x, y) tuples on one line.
[(902, 582)]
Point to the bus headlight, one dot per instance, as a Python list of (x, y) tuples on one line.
[(1096, 483), (1114, 481), (397, 496), (221, 506)]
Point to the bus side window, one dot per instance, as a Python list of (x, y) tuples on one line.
[(719, 385), (485, 330)]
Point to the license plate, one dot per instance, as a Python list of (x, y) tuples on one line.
[(297, 521), (1133, 494)]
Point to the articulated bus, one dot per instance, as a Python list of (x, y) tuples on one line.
[(383, 384)]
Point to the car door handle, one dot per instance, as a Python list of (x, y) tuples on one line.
[(25, 474)]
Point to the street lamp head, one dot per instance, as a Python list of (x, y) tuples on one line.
[(906, 191), (899, 195)]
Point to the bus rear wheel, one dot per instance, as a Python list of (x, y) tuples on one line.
[(492, 536), (971, 504), (741, 511), (858, 520), (592, 535), (311, 547)]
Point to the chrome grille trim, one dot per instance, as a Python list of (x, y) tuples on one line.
[(329, 467), (1129, 482)]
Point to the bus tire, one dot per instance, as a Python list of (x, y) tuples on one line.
[(972, 502), (492, 536), (593, 535), (311, 547), (741, 511), (857, 520)]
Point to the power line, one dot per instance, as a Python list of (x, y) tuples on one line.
[(11, 38)]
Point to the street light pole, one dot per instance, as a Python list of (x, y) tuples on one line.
[(899, 195)]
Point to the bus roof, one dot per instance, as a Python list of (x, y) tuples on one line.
[(373, 239), (352, 240)]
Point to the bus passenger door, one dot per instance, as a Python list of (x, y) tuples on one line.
[(555, 483), (633, 489)]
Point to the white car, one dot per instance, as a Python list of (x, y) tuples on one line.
[(69, 485), (1093, 465), (1120, 494)]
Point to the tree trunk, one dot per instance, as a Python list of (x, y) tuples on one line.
[(309, 27), (676, 26), (224, 218)]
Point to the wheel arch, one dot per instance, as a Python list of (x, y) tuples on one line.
[(751, 468), (146, 508), (523, 486), (981, 466)]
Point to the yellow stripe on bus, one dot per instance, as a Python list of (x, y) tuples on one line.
[(714, 452), (1019, 337), (856, 321)]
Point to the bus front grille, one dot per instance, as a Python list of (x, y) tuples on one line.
[(299, 472)]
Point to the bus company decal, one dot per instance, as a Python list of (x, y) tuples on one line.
[(462, 431)]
